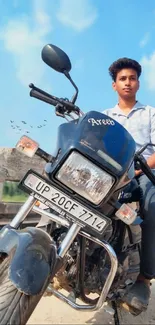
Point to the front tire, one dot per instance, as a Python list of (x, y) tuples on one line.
[(15, 307)]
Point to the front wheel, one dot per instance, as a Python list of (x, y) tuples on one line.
[(15, 307)]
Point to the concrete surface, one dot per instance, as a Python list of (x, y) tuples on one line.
[(51, 310)]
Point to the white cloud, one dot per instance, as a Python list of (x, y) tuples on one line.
[(148, 64), (24, 38), (77, 14), (145, 40)]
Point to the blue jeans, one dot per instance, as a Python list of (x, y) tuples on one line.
[(147, 266)]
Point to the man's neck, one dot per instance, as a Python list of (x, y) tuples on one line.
[(127, 104)]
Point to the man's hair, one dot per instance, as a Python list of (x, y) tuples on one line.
[(124, 63)]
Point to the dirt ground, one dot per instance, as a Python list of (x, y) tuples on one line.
[(51, 310)]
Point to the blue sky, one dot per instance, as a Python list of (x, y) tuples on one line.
[(94, 33)]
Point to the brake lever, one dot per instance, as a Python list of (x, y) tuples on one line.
[(60, 110), (144, 147)]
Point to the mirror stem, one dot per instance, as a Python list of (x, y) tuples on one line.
[(73, 100)]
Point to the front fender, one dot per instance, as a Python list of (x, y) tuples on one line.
[(32, 258)]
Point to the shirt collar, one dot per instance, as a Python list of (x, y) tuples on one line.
[(138, 105)]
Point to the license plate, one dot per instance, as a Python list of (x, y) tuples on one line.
[(64, 202)]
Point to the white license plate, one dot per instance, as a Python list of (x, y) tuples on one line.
[(61, 200)]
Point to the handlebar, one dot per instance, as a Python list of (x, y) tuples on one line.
[(34, 93), (52, 100), (142, 163)]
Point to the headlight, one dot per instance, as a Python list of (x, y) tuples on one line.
[(85, 178)]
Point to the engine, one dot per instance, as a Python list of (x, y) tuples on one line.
[(85, 263)]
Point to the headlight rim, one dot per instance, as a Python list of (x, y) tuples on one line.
[(73, 191)]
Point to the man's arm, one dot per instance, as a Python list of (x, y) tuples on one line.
[(151, 159), (150, 162)]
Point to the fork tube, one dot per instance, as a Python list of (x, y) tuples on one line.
[(66, 243), (23, 212)]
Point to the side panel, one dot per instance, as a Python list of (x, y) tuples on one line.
[(32, 258)]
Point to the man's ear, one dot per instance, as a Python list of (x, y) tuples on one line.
[(138, 85), (114, 85)]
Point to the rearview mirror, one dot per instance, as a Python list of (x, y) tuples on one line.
[(57, 59)]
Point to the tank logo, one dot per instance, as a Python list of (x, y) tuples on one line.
[(101, 122)]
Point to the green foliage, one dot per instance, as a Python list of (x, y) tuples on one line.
[(11, 193)]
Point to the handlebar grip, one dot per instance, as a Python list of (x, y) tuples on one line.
[(34, 93), (145, 167)]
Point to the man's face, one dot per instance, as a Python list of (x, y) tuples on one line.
[(126, 83)]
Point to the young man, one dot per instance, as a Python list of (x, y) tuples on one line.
[(139, 120)]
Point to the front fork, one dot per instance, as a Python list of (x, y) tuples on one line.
[(27, 207), (23, 212), (73, 230)]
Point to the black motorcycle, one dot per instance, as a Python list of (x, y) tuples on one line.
[(92, 241)]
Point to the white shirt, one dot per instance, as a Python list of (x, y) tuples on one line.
[(140, 123)]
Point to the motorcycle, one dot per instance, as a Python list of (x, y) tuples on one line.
[(92, 242)]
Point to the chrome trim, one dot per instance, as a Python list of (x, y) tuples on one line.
[(23, 212), (107, 285), (70, 236), (113, 270), (52, 216)]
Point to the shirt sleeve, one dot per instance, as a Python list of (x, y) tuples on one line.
[(106, 112), (152, 137)]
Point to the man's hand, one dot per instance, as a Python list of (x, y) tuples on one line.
[(150, 162), (138, 172)]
